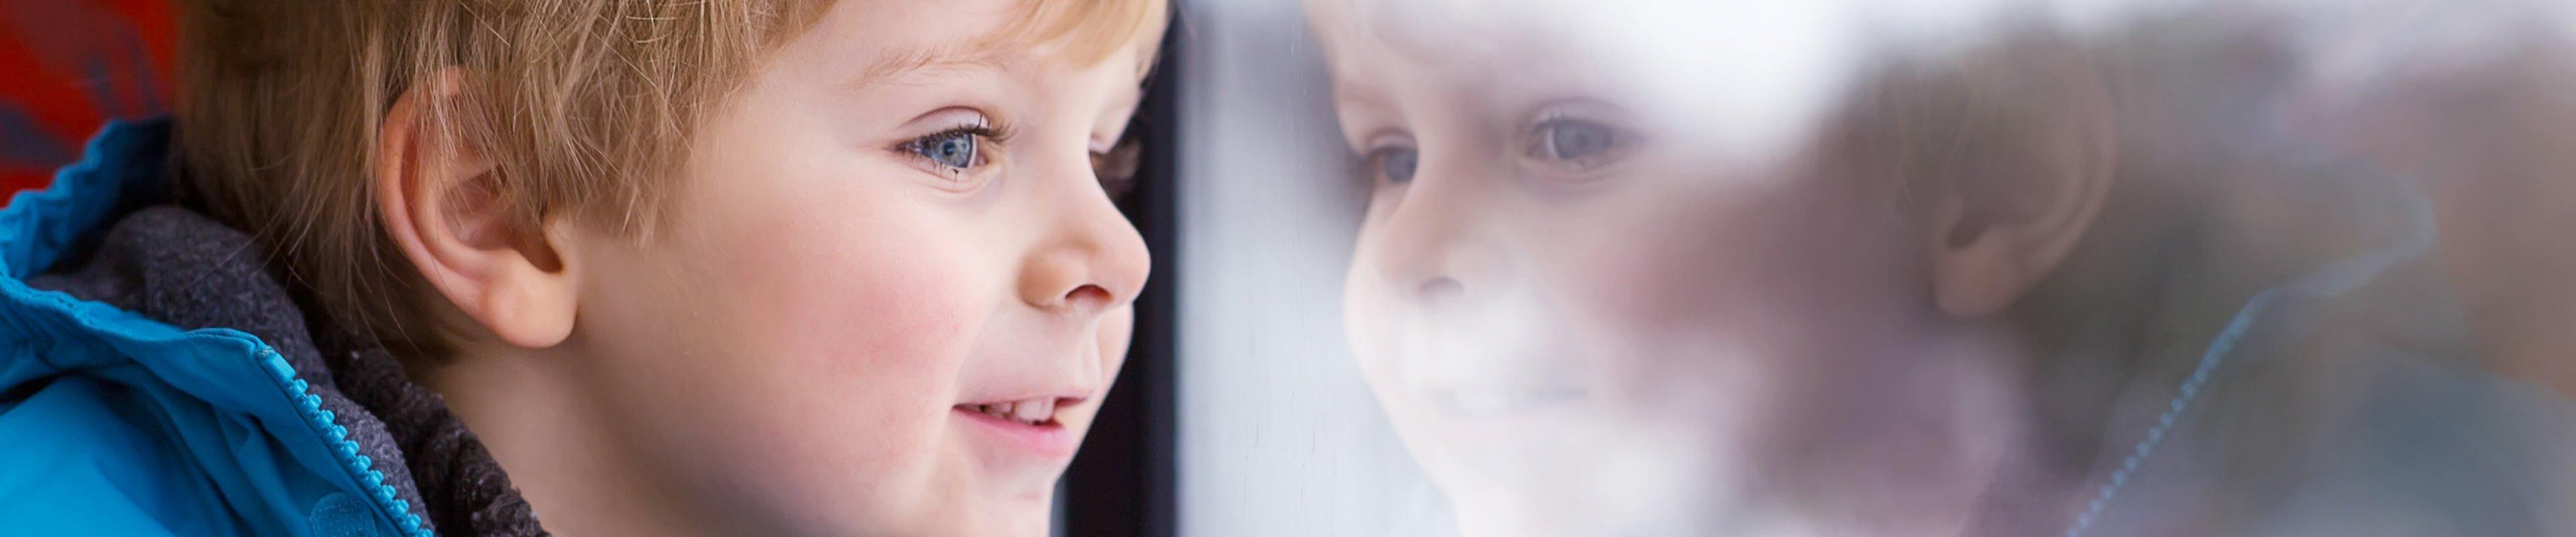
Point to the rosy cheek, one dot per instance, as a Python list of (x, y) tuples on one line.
[(1619, 281), (853, 332), (1644, 273), (862, 320), (862, 308)]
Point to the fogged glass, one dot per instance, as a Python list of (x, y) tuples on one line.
[(1639, 267)]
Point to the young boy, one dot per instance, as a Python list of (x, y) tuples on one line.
[(1714, 271), (592, 267)]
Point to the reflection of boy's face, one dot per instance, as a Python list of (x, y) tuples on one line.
[(886, 234), (1579, 327)]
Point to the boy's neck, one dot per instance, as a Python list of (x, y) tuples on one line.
[(1982, 458), (557, 448), (2036, 471)]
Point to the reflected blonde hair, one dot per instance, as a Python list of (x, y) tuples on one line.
[(581, 105)]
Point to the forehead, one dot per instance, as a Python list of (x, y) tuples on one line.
[(1361, 37), (875, 39), (1747, 80), (1395, 54)]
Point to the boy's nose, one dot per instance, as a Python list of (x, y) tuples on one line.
[(1437, 249), (1091, 259)]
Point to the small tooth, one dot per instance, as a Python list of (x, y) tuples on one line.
[(1033, 411), (1002, 409)]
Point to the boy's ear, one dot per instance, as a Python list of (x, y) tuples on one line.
[(1999, 230), (442, 204)]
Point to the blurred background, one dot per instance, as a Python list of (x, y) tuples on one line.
[(68, 68)]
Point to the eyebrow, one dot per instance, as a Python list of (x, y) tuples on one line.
[(1347, 94), (909, 60)]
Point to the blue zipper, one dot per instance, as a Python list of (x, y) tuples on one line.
[(327, 422)]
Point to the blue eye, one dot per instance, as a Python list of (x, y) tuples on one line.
[(955, 148), (1582, 143), (1395, 164)]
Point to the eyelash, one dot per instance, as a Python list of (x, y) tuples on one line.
[(984, 134), (1374, 164), (1371, 170), (1116, 168), (1616, 142)]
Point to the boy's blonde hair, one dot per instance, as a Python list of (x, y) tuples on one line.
[(582, 106)]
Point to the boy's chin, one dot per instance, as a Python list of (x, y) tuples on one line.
[(966, 516), (1013, 516)]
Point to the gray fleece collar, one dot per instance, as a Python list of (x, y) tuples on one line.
[(176, 266)]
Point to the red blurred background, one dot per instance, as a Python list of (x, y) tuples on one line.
[(69, 66)]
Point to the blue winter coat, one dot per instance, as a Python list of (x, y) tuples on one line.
[(112, 423)]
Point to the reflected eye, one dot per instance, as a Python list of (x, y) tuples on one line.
[(1116, 168), (1577, 140), (1395, 165), (1578, 143)]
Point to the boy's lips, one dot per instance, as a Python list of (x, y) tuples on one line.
[(1498, 400), (1494, 377), (1030, 425), (1031, 406)]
